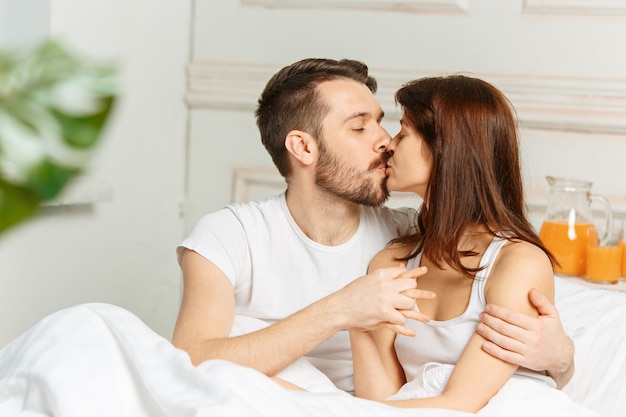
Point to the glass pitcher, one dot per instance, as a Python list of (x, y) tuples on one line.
[(568, 219)]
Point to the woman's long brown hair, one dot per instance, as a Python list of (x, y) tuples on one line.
[(470, 128)]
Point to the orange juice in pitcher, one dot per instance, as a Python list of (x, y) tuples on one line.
[(568, 219), (568, 244)]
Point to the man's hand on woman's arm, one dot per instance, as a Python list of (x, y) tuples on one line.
[(538, 343)]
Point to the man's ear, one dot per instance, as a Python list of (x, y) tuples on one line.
[(301, 146)]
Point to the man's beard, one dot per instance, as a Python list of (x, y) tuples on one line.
[(348, 183)]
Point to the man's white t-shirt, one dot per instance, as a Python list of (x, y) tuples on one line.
[(276, 270)]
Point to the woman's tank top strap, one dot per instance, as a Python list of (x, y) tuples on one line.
[(486, 263), (490, 255)]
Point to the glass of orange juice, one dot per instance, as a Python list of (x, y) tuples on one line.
[(622, 245), (604, 259)]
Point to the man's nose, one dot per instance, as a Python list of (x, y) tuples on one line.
[(383, 142)]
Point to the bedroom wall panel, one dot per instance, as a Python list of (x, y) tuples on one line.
[(440, 6)]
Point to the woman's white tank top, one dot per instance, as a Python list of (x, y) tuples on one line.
[(442, 342)]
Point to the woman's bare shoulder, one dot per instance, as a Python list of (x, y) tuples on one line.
[(518, 252), (390, 256), (519, 267)]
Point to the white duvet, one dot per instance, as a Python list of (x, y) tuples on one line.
[(101, 360)]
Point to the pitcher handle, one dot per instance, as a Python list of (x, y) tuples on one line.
[(608, 214)]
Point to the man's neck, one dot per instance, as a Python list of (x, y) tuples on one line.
[(324, 218)]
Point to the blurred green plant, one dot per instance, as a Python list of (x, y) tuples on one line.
[(53, 108)]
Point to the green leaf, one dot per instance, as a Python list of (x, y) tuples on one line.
[(83, 131), (16, 204), (48, 179)]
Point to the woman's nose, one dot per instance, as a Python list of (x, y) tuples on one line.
[(392, 144)]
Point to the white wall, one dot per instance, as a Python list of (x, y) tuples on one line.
[(119, 251)]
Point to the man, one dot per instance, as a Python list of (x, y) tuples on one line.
[(297, 261)]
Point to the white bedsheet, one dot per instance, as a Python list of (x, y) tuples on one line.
[(596, 320), (101, 360)]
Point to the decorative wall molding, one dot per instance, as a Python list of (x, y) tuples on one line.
[(576, 7), (569, 104), (253, 183), (413, 6), (582, 105), (228, 86)]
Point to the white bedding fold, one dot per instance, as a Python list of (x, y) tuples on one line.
[(101, 360)]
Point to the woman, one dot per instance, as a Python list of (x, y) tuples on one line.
[(458, 150)]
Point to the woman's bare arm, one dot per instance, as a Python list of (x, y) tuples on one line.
[(377, 372)]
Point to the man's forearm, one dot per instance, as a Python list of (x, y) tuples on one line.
[(271, 349), (366, 302)]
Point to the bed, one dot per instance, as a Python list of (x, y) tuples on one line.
[(99, 359)]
